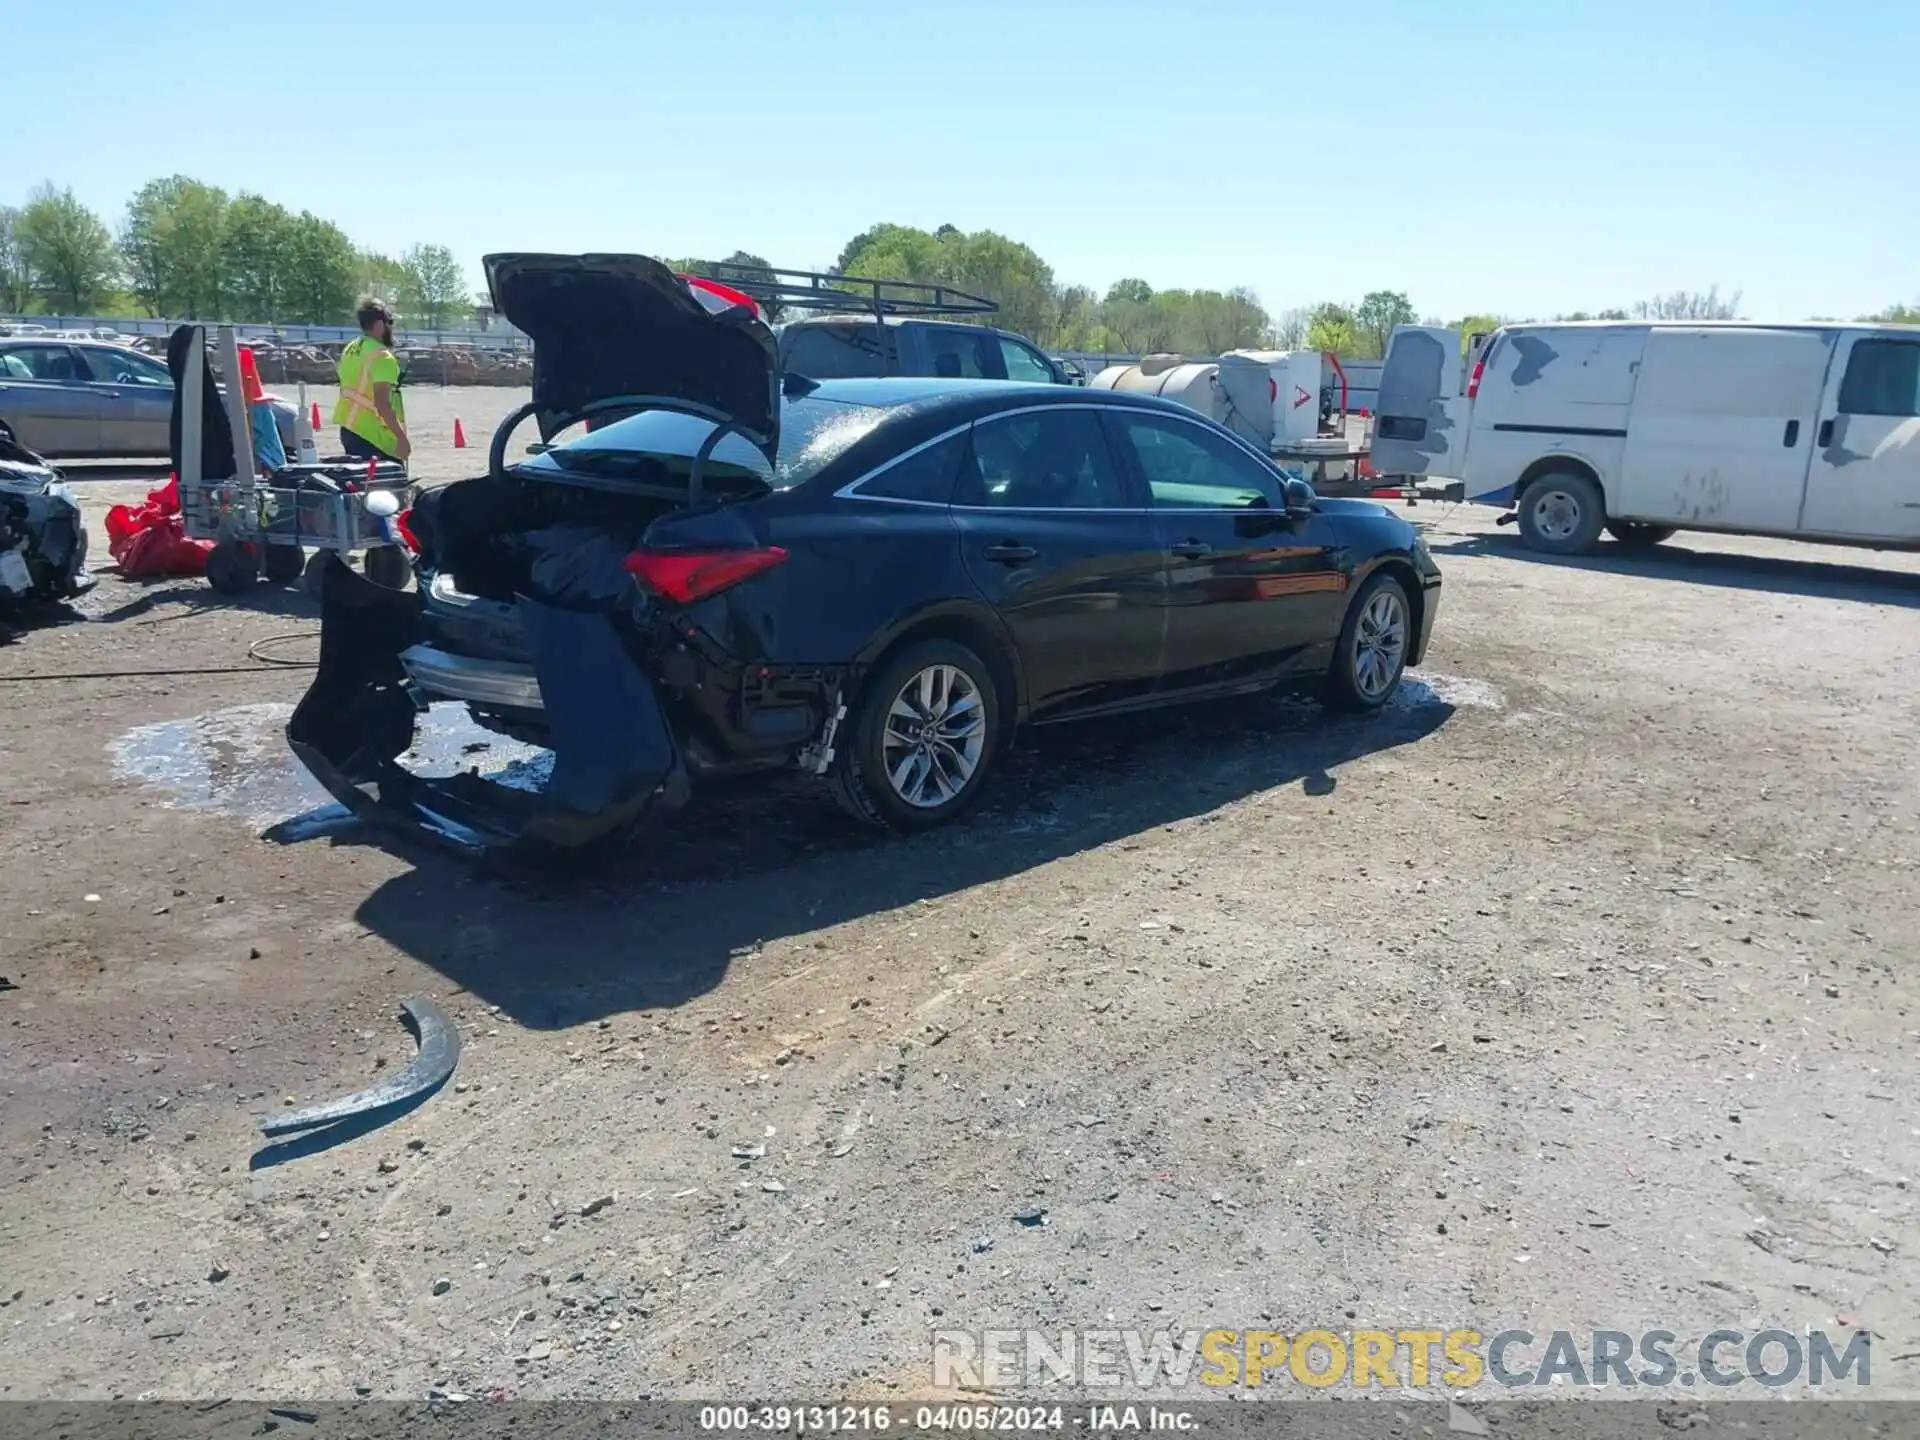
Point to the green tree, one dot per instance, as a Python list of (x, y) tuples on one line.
[(171, 241), (1129, 315), (66, 250), (1290, 328), (1471, 325), (1333, 327), (322, 267), (1375, 318), (432, 286), (379, 276), (257, 257), (16, 281), (980, 262)]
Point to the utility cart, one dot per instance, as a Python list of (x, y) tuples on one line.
[(265, 524)]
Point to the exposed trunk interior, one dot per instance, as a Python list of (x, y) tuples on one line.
[(499, 536)]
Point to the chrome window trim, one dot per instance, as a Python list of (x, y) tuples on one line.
[(851, 490)]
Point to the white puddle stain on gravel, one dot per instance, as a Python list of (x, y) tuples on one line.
[(236, 761)]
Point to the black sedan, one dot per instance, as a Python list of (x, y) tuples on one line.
[(875, 581)]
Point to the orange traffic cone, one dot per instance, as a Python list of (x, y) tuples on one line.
[(314, 425), (459, 435)]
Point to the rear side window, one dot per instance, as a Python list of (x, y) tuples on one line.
[(834, 352), (47, 362), (925, 477), (957, 353), (1043, 460), (1883, 378)]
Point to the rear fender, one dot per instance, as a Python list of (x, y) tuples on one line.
[(974, 625)]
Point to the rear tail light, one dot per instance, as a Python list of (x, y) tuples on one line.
[(1479, 369), (685, 576), (406, 531)]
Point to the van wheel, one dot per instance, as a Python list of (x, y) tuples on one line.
[(920, 739), (1562, 513), (1638, 535), (1372, 653)]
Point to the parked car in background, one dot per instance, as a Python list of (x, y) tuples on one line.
[(83, 400), (875, 581), (1640, 429), (852, 347)]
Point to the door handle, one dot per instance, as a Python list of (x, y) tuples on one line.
[(1192, 549), (1010, 552), (1826, 433), (1792, 435)]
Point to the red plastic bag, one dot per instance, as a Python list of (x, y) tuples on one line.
[(150, 540), (162, 549)]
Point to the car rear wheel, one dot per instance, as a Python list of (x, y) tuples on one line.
[(1638, 534), (921, 738), (1373, 649), (1562, 513)]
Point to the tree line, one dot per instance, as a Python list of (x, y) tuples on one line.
[(187, 250)]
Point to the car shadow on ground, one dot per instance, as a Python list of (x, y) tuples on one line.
[(1817, 579), (747, 864)]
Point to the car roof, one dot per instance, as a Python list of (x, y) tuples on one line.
[(982, 396)]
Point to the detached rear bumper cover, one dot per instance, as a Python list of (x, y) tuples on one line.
[(614, 755)]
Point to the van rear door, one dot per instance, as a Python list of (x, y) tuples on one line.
[(1864, 479), (1722, 427), (1420, 425)]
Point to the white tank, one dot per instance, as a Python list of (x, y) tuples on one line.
[(1169, 377)]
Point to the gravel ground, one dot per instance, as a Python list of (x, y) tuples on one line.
[(1565, 994)]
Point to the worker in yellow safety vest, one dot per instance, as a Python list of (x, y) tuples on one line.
[(370, 414)]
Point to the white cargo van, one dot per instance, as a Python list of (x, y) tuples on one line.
[(1644, 428)]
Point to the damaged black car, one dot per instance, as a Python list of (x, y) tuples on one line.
[(43, 539), (874, 582)]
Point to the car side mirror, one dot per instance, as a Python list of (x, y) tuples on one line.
[(1300, 499)]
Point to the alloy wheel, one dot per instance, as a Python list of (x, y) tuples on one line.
[(936, 733), (1379, 644)]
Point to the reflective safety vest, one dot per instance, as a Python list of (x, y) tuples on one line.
[(363, 364)]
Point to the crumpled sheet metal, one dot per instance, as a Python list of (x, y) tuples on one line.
[(439, 1052)]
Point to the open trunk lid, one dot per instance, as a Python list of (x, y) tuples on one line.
[(625, 328)]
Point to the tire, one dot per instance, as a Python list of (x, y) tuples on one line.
[(873, 751), (283, 564), (1374, 644), (1562, 513), (1637, 535), (232, 567), (389, 565)]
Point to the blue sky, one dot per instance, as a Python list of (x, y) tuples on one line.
[(1519, 158)]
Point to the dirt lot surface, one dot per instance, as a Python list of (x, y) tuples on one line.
[(1567, 993)]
